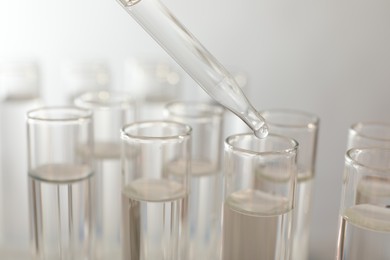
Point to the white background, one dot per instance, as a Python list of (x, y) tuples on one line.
[(328, 57)]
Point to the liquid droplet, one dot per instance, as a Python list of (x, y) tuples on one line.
[(262, 132)]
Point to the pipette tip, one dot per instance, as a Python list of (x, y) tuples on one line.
[(262, 132)]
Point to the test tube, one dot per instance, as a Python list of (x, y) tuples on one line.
[(80, 76), (364, 227), (111, 110), (205, 199), (198, 62), (260, 176), (60, 174), (302, 127), (155, 197), (369, 134), (153, 83), (19, 93)]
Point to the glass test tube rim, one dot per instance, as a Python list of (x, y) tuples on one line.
[(310, 120), (200, 110), (293, 143), (357, 129), (351, 158), (126, 135), (105, 99), (75, 114)]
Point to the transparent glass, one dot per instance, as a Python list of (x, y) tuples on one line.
[(60, 181), (153, 83), (206, 177), (198, 62), (111, 111), (155, 189), (364, 227), (232, 123), (19, 93), (369, 134), (260, 178), (80, 76), (302, 127)]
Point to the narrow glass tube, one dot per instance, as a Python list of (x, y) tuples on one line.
[(302, 127), (205, 199), (232, 123), (19, 93), (80, 76), (260, 177), (364, 226), (155, 197), (369, 134), (198, 62), (111, 111), (153, 83), (60, 174)]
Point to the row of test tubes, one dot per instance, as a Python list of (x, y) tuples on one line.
[(177, 188), (21, 90), (158, 190), (76, 208)]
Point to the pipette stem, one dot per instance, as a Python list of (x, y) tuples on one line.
[(196, 60)]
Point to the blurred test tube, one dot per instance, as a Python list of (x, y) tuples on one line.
[(153, 83), (19, 92), (79, 76)]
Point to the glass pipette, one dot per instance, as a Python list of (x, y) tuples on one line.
[(199, 63)]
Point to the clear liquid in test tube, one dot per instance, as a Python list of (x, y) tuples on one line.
[(198, 62), (258, 211), (154, 195), (60, 183), (364, 222)]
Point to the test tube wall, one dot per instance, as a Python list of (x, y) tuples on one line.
[(111, 111), (364, 222), (205, 200), (154, 195), (60, 182), (20, 84), (303, 127), (260, 177)]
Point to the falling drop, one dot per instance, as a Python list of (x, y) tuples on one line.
[(262, 132)]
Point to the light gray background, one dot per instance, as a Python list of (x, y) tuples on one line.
[(328, 57)]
